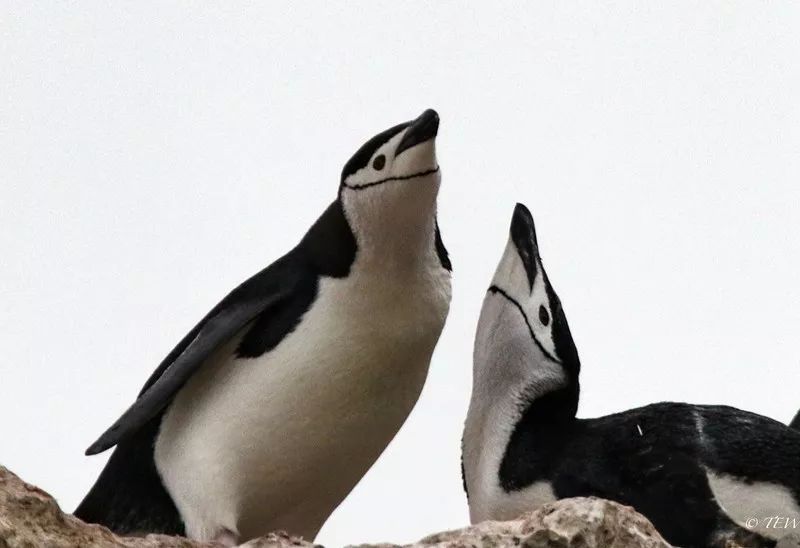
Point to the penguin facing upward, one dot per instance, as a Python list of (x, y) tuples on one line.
[(701, 473), (273, 407)]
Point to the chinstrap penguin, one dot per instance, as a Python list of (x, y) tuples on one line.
[(700, 473), (273, 407)]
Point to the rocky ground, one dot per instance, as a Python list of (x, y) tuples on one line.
[(30, 518)]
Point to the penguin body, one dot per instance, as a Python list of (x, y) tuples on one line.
[(270, 411), (702, 474)]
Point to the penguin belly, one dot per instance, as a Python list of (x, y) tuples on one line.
[(277, 442)]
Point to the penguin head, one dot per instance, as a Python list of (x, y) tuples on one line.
[(522, 324), (390, 184)]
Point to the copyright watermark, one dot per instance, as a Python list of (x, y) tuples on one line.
[(773, 522)]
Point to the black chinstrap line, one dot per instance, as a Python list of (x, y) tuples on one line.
[(512, 300), (390, 179)]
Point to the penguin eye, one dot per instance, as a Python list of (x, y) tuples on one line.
[(379, 162), (544, 317)]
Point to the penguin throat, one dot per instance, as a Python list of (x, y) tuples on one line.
[(408, 248), (394, 237)]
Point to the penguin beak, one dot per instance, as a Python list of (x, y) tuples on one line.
[(424, 128), (523, 234)]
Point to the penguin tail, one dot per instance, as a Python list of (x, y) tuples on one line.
[(128, 496)]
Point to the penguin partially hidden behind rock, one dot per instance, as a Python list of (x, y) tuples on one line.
[(700, 473), (273, 407)]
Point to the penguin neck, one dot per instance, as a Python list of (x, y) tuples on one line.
[(507, 399), (399, 249), (536, 396), (542, 427), (553, 408), (399, 243)]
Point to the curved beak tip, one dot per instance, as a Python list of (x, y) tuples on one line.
[(522, 216), (523, 229), (423, 128)]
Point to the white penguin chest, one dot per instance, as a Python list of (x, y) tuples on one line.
[(279, 440)]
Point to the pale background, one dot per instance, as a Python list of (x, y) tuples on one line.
[(153, 155)]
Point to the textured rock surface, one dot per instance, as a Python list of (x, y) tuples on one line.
[(568, 523), (30, 518)]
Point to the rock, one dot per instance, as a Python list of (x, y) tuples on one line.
[(569, 523), (30, 518)]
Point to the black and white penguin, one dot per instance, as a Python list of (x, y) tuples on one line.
[(273, 407), (700, 473)]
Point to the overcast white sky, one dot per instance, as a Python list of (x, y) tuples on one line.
[(152, 156)]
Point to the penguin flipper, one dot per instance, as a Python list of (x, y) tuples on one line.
[(241, 306)]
